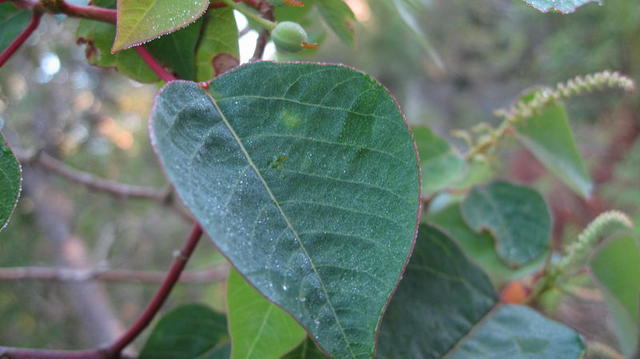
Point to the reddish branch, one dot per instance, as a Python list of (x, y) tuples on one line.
[(154, 65), (266, 11), (15, 45)]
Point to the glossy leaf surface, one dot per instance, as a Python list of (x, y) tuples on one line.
[(617, 268), (12, 22), (140, 21), (192, 331), (517, 217), (441, 166), (446, 307), (564, 6), (258, 328), (10, 182), (549, 137), (340, 18), (305, 176)]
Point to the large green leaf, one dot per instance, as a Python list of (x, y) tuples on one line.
[(258, 329), (446, 307), (177, 51), (564, 6), (306, 350), (10, 182), (140, 21), (517, 217), (617, 267), (192, 331), (480, 247), (441, 166), (549, 137), (218, 46), (305, 177), (12, 22), (339, 17)]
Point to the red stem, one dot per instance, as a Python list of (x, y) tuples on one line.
[(89, 12), (154, 65), (161, 295), (24, 35), (17, 353)]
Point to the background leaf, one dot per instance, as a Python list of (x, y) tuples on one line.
[(218, 43), (549, 137), (10, 182), (307, 181), (142, 20), (12, 22), (306, 350), (564, 6), (192, 331), (446, 307), (441, 166), (617, 268), (258, 328), (479, 247), (517, 217), (340, 18)]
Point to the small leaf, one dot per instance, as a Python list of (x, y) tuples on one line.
[(445, 307), (140, 21), (517, 217), (12, 22), (617, 268), (441, 166), (192, 331), (10, 182), (549, 137), (306, 350), (564, 6), (305, 176), (218, 42), (339, 17), (480, 247), (257, 327)]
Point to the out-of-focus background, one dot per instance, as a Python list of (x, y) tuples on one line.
[(480, 56)]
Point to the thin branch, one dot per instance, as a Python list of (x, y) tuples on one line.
[(24, 35), (154, 65), (20, 353), (161, 295), (266, 11), (53, 274), (89, 12)]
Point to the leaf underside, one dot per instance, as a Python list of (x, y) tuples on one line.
[(305, 177), (10, 182), (446, 307)]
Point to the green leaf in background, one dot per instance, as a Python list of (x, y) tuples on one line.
[(564, 6), (12, 22), (446, 307), (258, 328), (441, 166), (306, 350), (218, 46), (517, 217), (140, 21), (305, 176), (176, 50), (10, 182), (617, 268), (480, 247), (340, 18), (192, 331), (549, 137)]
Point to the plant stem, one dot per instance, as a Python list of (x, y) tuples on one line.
[(24, 35), (267, 24), (89, 12), (154, 65), (161, 295)]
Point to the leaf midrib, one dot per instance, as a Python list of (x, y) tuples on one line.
[(284, 216)]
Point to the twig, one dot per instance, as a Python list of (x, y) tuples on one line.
[(161, 295), (154, 65), (24, 35), (53, 274), (266, 11)]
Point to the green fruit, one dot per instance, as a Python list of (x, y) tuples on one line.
[(289, 36)]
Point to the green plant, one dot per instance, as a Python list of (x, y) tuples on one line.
[(351, 234)]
